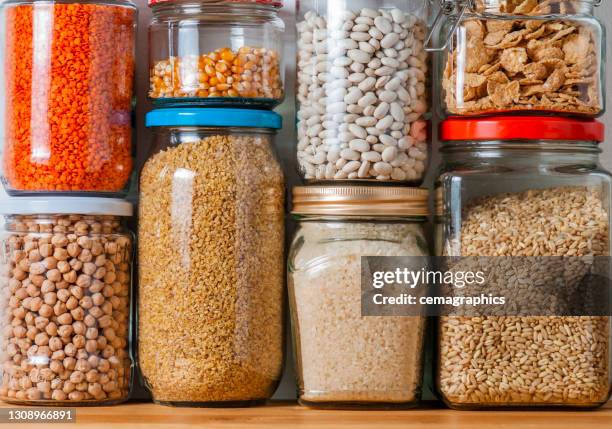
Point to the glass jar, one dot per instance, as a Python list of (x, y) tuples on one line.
[(211, 258), (216, 53), (68, 74), (65, 303), (531, 57), (362, 91), (522, 188), (344, 359)]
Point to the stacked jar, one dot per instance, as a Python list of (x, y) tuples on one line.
[(211, 220), (67, 161), (520, 179), (363, 127)]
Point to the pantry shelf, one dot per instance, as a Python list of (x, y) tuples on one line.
[(290, 415)]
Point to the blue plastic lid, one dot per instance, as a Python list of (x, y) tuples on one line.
[(213, 117)]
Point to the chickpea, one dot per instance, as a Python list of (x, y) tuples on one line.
[(76, 396), (98, 299), (32, 290), (45, 250), (54, 275), (75, 264), (65, 318), (91, 346), (82, 365), (58, 355), (86, 303), (51, 329), (58, 395), (65, 330), (50, 262), (83, 281), (76, 291), (41, 322), (45, 310), (68, 387), (55, 344), (70, 276), (63, 267), (56, 366), (79, 327), (77, 377), (78, 313), (60, 254), (73, 249), (78, 341), (64, 298), (72, 303), (50, 298)]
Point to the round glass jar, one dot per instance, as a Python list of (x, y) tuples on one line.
[(362, 91), (68, 69), (344, 360), (66, 271), (524, 188), (211, 258), (531, 57), (224, 53)]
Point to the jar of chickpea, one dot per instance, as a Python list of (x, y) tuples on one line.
[(224, 53), (65, 275)]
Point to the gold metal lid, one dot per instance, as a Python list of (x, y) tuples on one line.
[(360, 201)]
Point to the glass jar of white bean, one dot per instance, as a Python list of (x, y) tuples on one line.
[(65, 304), (362, 91)]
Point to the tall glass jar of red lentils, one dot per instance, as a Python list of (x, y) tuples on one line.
[(223, 53), (67, 80)]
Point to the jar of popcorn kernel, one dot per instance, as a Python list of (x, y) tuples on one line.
[(216, 53), (65, 269), (525, 57)]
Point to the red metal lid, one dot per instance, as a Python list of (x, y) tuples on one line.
[(522, 128), (274, 3)]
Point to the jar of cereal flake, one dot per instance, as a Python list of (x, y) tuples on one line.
[(67, 95), (363, 79), (216, 53), (342, 358), (525, 57), (211, 258), (66, 269), (530, 193)]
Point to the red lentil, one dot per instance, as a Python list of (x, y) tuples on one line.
[(69, 74)]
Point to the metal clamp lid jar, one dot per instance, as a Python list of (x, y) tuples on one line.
[(216, 53), (530, 57), (528, 193)]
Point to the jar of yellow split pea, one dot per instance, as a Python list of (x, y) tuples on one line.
[(225, 53)]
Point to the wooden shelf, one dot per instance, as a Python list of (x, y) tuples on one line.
[(289, 415)]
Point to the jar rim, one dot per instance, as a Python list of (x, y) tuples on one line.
[(534, 128), (119, 3), (360, 200), (213, 117), (495, 7), (276, 4), (47, 205)]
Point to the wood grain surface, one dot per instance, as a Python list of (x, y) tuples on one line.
[(288, 415)]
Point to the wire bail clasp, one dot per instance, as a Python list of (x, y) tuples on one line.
[(454, 10)]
